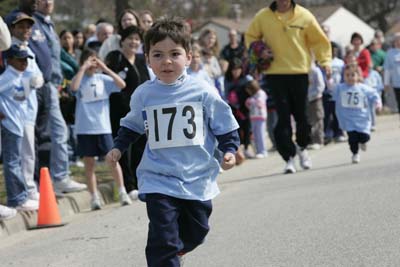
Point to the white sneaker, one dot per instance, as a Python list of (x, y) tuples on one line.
[(355, 158), (261, 156), (290, 166), (7, 213), (304, 158), (363, 146), (314, 146), (134, 194), (28, 205), (124, 199), (248, 154), (340, 139), (34, 196), (68, 185), (95, 203)]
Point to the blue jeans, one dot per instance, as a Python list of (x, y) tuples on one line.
[(17, 191), (59, 164)]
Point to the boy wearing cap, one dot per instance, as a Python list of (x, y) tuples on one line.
[(21, 31), (13, 106)]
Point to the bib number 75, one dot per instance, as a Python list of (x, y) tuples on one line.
[(175, 125)]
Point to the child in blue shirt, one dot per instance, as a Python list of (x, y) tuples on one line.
[(183, 118), (374, 80), (353, 101), (315, 109), (92, 120), (13, 107)]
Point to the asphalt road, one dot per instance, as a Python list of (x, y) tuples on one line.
[(337, 214)]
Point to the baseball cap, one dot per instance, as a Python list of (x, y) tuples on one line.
[(17, 51), (20, 16)]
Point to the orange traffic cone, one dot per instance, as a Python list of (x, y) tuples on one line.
[(48, 215)]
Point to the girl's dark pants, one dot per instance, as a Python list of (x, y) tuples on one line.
[(356, 138), (176, 226)]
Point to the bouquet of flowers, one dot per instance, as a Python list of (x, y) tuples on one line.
[(260, 56)]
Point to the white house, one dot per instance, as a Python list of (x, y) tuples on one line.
[(342, 24)]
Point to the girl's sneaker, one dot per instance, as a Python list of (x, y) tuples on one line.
[(95, 203), (124, 199), (355, 158), (363, 146)]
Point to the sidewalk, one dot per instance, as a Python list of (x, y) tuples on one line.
[(68, 205)]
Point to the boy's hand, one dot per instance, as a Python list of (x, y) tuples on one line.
[(90, 62), (113, 156), (228, 161), (101, 65), (378, 106)]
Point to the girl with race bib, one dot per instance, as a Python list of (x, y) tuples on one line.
[(92, 120), (353, 102)]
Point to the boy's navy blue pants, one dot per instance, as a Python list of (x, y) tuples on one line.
[(176, 226)]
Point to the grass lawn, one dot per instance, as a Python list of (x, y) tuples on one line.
[(102, 172)]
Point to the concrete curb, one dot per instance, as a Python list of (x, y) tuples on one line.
[(68, 205)]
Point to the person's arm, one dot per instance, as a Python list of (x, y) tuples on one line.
[(124, 138), (76, 81), (118, 80), (228, 143), (5, 37), (320, 45), (254, 31)]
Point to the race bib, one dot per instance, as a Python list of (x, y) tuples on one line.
[(93, 91), (174, 125), (351, 99)]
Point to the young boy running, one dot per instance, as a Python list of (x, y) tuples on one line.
[(183, 119)]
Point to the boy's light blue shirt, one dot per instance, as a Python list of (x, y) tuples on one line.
[(92, 114), (316, 83), (374, 80), (201, 74), (182, 171), (353, 105), (337, 71), (32, 71), (13, 102), (392, 68)]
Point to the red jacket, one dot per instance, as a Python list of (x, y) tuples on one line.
[(365, 62)]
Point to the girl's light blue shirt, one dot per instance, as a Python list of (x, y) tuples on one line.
[(353, 106)]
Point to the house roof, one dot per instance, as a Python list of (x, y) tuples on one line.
[(227, 23), (320, 12)]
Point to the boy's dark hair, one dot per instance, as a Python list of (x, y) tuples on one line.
[(86, 53), (125, 33), (167, 27), (356, 35), (235, 63)]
